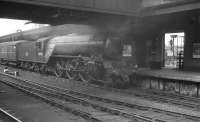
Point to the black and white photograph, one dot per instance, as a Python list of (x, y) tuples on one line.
[(99, 60)]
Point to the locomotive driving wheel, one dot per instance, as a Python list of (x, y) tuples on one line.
[(36, 68), (74, 75), (83, 77), (43, 69), (69, 75), (58, 69), (68, 70)]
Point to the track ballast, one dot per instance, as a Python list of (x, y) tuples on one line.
[(61, 97)]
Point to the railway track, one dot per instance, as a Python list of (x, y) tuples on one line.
[(89, 106), (188, 102), (162, 97), (77, 106), (184, 101), (178, 100), (7, 117)]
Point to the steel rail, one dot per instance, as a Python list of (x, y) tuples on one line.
[(100, 98), (53, 102), (113, 101), (13, 118), (79, 100)]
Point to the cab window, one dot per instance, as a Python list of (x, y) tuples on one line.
[(39, 46)]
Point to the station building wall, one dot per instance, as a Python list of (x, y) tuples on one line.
[(152, 33), (192, 38)]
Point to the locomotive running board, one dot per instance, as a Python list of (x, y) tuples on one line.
[(68, 56)]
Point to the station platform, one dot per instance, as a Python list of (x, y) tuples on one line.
[(170, 74), (172, 80)]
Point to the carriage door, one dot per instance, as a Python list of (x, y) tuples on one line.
[(174, 50)]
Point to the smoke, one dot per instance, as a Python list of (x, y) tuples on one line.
[(120, 28)]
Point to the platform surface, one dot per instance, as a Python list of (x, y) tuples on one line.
[(171, 74)]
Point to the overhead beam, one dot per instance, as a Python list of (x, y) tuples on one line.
[(154, 3), (55, 10), (170, 9), (120, 7)]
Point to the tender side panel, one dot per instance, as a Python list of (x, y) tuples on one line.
[(29, 52)]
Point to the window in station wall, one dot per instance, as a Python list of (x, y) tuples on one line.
[(196, 51), (174, 50), (127, 50)]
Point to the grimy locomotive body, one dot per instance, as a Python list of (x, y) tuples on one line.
[(78, 52)]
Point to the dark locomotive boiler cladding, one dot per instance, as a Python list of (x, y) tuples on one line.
[(78, 52), (76, 56)]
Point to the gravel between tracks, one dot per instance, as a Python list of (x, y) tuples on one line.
[(29, 109)]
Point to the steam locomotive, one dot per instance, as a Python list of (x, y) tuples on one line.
[(80, 52)]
